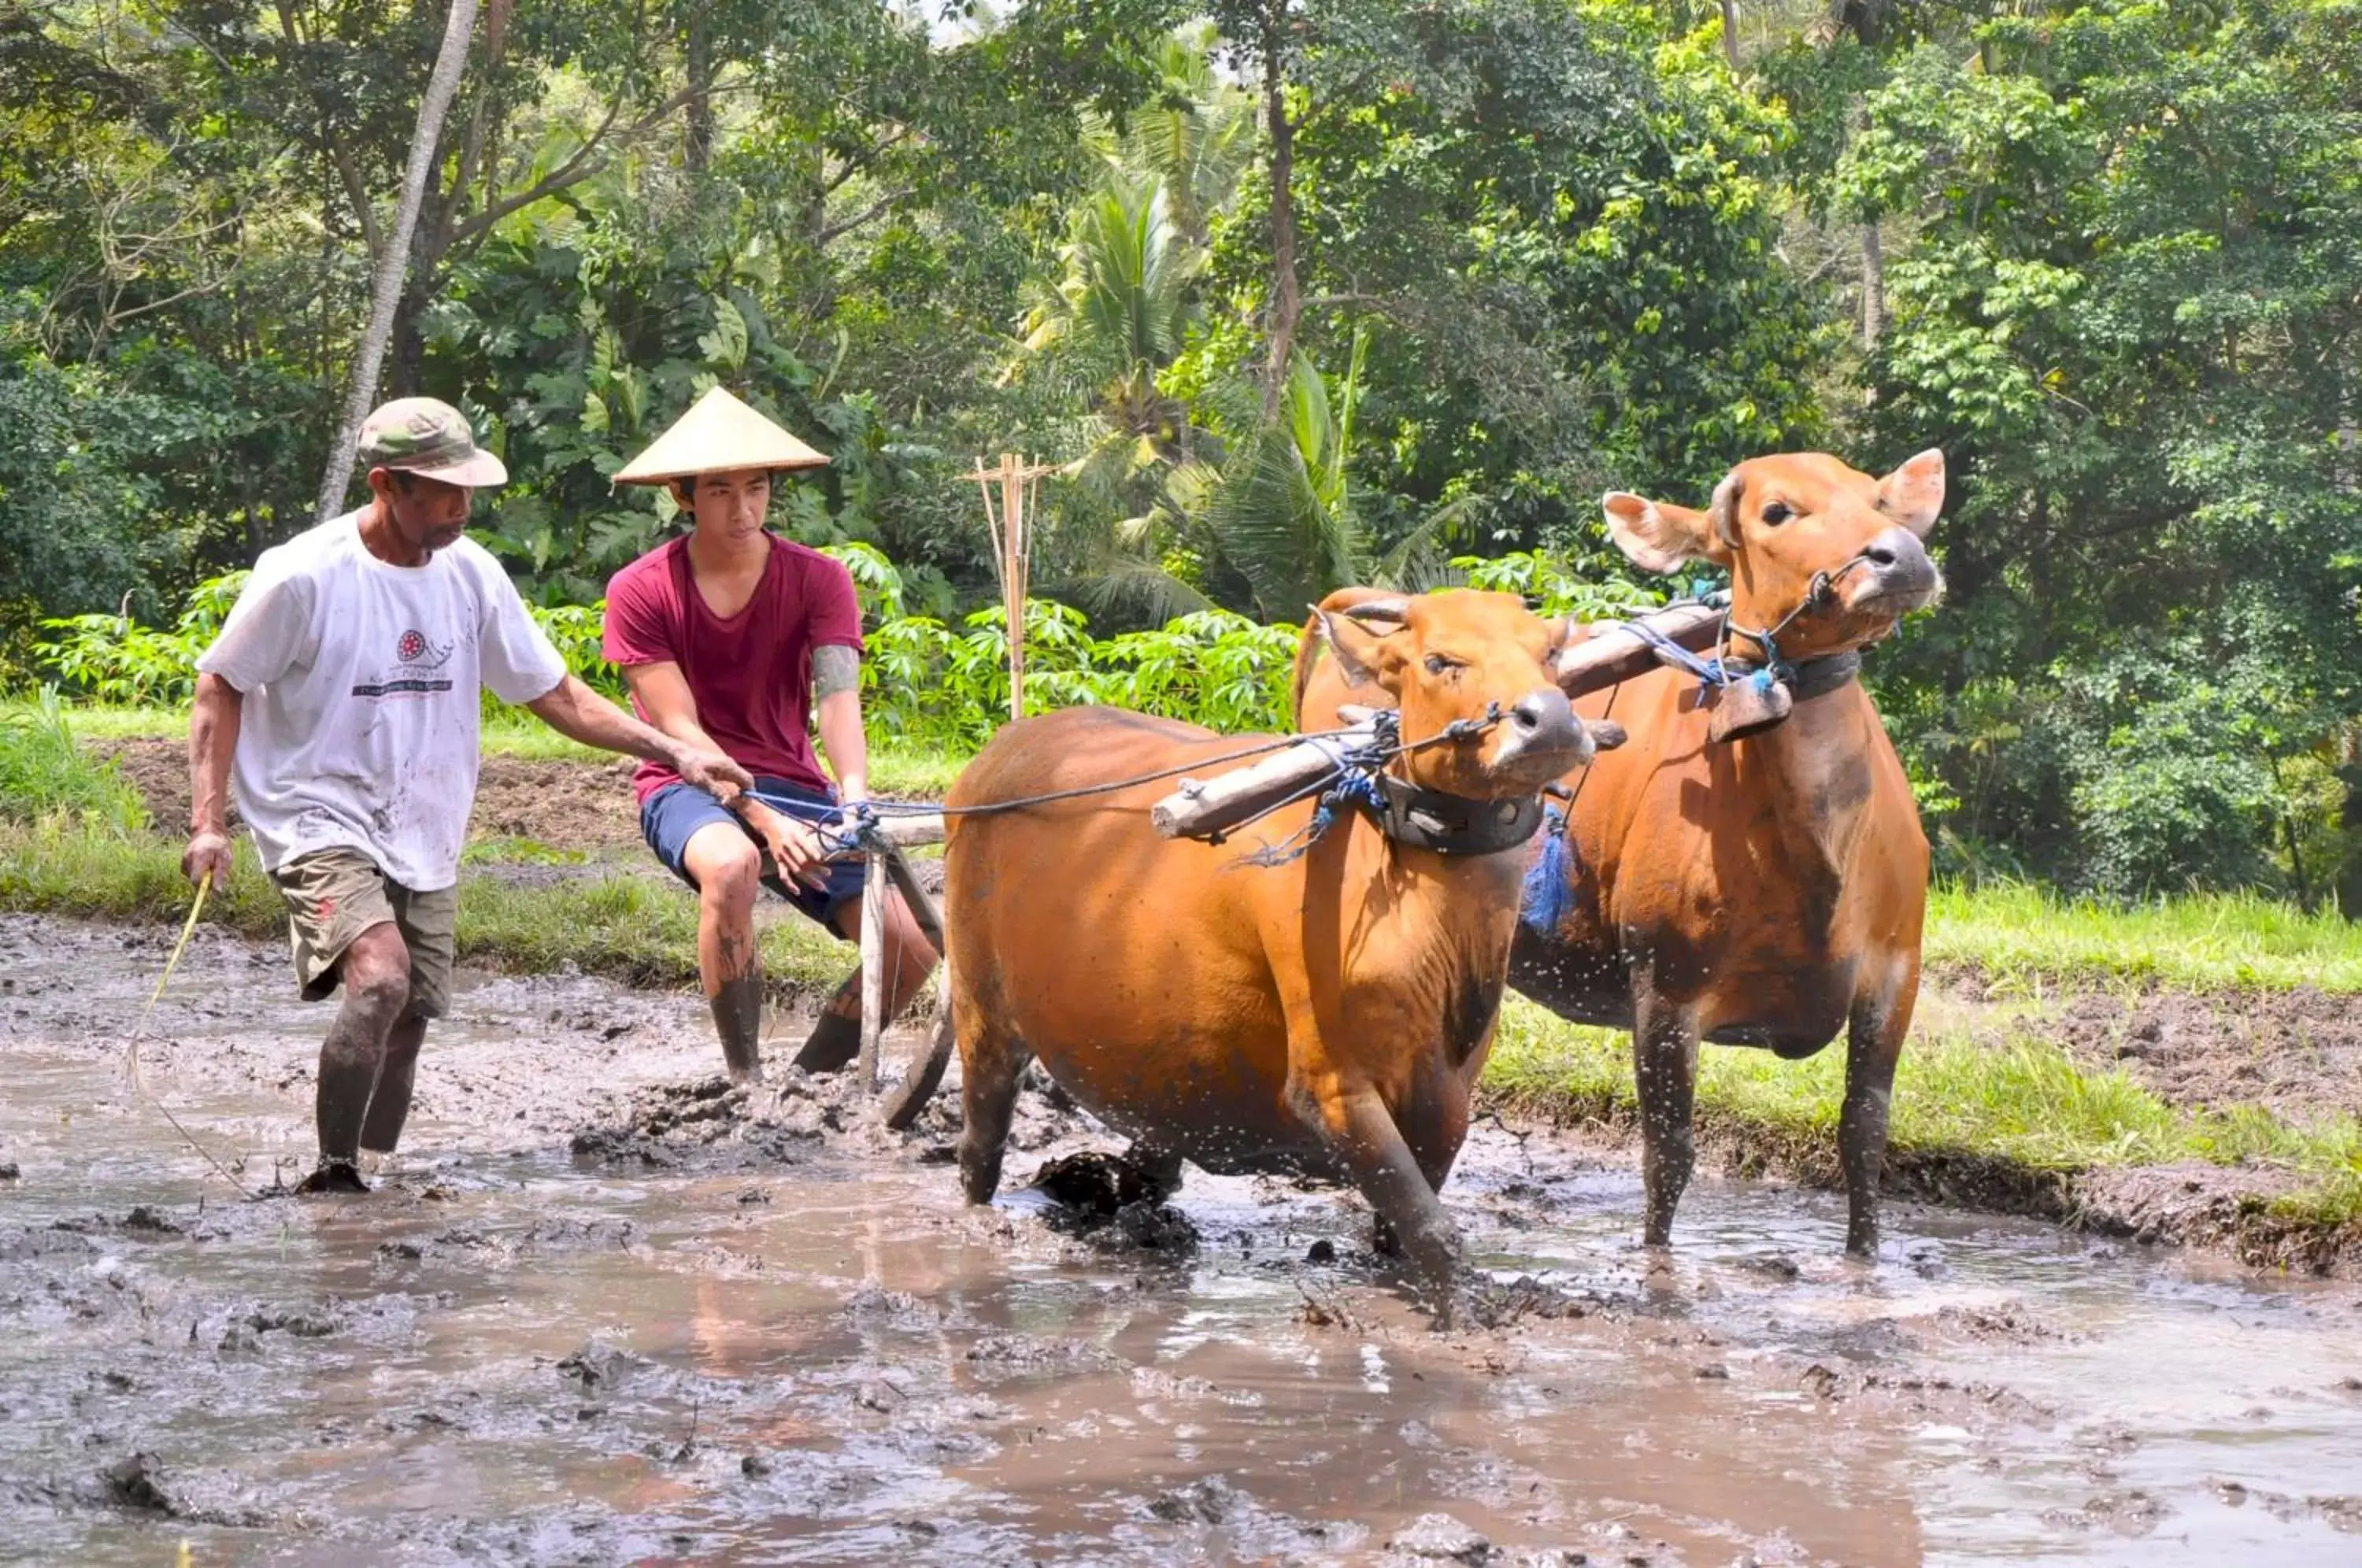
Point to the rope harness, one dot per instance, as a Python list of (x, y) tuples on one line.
[(1805, 678), (1546, 896), (1424, 819)]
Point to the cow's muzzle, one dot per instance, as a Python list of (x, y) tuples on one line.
[(1541, 736), (1892, 575)]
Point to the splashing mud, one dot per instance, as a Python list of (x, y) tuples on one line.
[(605, 1307)]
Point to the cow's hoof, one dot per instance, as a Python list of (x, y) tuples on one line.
[(980, 1176)]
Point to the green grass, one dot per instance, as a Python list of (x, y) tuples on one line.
[(506, 849), (43, 772), (2025, 940), (2024, 1101), (917, 772), (639, 930)]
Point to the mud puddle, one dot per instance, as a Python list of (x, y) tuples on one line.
[(604, 1309)]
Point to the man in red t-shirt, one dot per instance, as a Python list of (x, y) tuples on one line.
[(735, 639)]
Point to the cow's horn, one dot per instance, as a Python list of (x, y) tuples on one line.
[(1397, 611)]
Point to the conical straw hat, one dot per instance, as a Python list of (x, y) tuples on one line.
[(719, 434)]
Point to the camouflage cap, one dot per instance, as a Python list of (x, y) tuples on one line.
[(424, 436)]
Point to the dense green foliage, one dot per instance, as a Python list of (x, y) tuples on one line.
[(928, 686), (1295, 293)]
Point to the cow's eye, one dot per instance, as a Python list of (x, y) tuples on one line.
[(1777, 513), (1437, 664)]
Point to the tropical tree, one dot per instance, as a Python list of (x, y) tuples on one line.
[(2132, 314), (394, 257), (1196, 134)]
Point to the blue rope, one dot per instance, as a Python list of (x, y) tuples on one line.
[(1356, 786), (1545, 898), (861, 817), (1715, 670), (1709, 671)]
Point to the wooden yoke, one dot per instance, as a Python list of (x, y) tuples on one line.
[(1613, 653), (1211, 807)]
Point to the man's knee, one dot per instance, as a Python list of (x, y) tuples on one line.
[(375, 970), (727, 867)]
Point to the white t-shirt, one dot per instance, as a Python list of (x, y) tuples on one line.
[(360, 686)]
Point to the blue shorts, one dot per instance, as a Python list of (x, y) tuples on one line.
[(673, 814)]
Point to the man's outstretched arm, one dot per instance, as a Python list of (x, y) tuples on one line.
[(579, 714)]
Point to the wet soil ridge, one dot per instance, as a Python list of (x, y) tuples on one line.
[(2297, 1053), (2227, 1209), (572, 805)]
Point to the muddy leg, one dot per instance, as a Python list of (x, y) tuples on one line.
[(1664, 1060), (1362, 1132), (926, 1071), (835, 1039), (376, 974), (1873, 1042), (725, 865), (909, 956), (990, 1071), (389, 1106), (1434, 1123)]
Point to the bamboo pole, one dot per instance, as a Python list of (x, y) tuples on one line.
[(1012, 528), (1012, 575)]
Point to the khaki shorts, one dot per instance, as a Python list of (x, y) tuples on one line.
[(333, 895)]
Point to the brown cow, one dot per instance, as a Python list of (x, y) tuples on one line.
[(1326, 1015), (1767, 891)]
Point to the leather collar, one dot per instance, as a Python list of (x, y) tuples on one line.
[(1452, 825), (1811, 677)]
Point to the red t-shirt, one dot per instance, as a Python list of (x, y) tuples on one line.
[(750, 674)]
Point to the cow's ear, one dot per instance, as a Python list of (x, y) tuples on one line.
[(1655, 535), (1358, 637), (1914, 493)]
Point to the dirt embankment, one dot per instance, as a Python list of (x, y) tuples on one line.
[(567, 805), (2296, 1053)]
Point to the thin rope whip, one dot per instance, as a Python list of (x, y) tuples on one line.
[(188, 929)]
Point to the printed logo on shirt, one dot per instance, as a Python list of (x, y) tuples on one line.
[(412, 647), (416, 662)]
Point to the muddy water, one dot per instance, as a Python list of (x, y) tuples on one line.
[(602, 1311)]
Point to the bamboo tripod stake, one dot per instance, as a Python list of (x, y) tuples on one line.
[(1012, 550)]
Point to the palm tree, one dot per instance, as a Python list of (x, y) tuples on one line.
[(1279, 512), (1197, 136), (1161, 514), (1122, 303), (1118, 314)]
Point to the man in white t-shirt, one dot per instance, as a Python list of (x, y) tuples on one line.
[(345, 686)]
